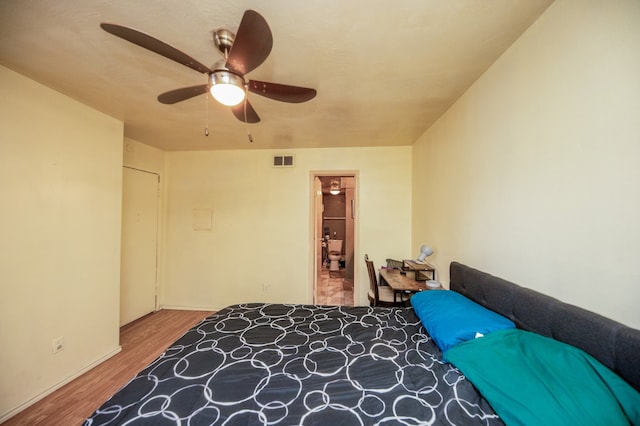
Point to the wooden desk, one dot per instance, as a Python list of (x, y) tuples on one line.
[(400, 283)]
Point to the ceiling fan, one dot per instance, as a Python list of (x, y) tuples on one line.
[(243, 52)]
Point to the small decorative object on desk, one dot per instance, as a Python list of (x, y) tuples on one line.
[(433, 284)]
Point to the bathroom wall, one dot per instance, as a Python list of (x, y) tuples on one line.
[(334, 216)]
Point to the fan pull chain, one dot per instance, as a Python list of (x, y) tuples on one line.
[(245, 116), (206, 125)]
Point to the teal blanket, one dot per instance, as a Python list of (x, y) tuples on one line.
[(533, 380)]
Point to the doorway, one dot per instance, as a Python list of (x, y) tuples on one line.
[(334, 224)]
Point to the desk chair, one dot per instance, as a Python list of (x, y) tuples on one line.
[(380, 295)]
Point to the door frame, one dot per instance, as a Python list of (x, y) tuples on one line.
[(315, 240)]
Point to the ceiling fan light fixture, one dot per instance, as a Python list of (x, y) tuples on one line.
[(227, 87)]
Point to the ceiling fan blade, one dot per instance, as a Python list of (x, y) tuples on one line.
[(154, 45), (281, 92), (178, 95), (250, 113), (252, 44)]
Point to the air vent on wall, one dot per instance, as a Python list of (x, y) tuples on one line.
[(283, 161)]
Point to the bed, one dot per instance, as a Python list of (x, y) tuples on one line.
[(284, 364)]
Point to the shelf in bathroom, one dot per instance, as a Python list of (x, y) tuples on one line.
[(334, 218)]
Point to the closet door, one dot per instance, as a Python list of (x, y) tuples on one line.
[(138, 269)]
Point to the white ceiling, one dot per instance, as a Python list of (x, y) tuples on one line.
[(384, 71)]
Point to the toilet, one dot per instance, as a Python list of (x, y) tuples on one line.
[(335, 254)]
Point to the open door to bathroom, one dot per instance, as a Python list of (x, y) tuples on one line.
[(334, 218)]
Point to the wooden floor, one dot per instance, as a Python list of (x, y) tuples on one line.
[(142, 341)]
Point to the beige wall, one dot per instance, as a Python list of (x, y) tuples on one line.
[(61, 177), (144, 157), (261, 222), (533, 174)]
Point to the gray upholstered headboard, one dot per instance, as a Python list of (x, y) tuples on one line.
[(613, 344)]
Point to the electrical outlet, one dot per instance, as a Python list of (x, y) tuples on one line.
[(57, 344), (265, 287)]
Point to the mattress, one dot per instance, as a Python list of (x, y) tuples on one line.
[(284, 364)]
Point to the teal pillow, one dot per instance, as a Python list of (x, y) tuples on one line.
[(530, 379), (450, 318)]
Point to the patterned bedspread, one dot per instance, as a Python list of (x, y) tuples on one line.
[(276, 364)]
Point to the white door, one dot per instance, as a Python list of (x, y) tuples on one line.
[(139, 244)]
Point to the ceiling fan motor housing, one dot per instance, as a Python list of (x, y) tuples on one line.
[(223, 39)]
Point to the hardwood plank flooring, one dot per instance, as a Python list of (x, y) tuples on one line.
[(142, 341)]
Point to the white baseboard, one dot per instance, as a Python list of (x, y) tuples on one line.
[(6, 416), (190, 308)]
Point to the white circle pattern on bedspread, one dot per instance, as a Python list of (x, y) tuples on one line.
[(276, 364)]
